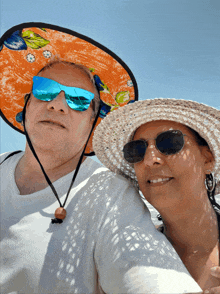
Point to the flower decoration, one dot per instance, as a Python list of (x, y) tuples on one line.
[(30, 57), (47, 54), (29, 47), (105, 109), (19, 117), (21, 40), (122, 97), (15, 41), (129, 83), (101, 85)]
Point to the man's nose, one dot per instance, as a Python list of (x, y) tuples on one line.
[(59, 104), (153, 156)]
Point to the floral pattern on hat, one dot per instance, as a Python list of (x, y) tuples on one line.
[(25, 49)]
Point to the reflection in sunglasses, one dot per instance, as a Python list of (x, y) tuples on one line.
[(168, 143)]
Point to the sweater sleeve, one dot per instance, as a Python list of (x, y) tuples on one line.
[(132, 256)]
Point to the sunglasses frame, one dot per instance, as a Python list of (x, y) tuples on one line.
[(56, 88), (146, 144)]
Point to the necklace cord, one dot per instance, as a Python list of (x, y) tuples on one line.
[(81, 157), (35, 155)]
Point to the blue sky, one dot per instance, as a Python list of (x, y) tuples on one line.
[(171, 46)]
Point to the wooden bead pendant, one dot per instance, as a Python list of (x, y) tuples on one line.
[(60, 213)]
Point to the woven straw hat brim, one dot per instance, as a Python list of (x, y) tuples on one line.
[(118, 128)]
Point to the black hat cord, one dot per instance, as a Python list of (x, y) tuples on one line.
[(60, 212)]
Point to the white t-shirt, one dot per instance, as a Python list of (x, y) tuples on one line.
[(107, 241)]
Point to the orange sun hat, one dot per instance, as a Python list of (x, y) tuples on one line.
[(26, 48)]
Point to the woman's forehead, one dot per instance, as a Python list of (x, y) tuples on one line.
[(155, 127)]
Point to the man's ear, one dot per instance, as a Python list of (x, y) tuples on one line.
[(27, 97), (92, 119), (93, 116), (209, 160)]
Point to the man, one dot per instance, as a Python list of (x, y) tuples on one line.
[(106, 241), (53, 127)]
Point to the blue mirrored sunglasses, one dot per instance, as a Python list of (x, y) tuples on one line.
[(46, 90)]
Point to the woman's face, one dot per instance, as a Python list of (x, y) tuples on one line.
[(182, 174)]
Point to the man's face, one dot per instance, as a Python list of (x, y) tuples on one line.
[(54, 125)]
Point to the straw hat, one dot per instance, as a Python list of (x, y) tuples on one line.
[(118, 128), (28, 47)]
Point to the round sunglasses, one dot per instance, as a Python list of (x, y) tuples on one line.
[(168, 143)]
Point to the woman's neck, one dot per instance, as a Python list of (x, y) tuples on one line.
[(191, 227), (194, 234)]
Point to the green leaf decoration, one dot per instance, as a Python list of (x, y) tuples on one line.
[(43, 29), (109, 104), (122, 97), (92, 69), (34, 41), (105, 88), (114, 107)]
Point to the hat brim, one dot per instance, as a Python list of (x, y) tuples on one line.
[(28, 47), (118, 128)]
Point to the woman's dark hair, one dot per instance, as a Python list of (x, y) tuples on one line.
[(211, 195), (199, 139)]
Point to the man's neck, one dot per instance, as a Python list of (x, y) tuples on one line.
[(29, 176)]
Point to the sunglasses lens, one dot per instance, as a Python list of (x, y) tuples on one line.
[(170, 142), (41, 95), (134, 151), (78, 103), (44, 89)]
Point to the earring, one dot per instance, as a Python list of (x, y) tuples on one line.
[(210, 182)]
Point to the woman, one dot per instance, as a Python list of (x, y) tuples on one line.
[(170, 149)]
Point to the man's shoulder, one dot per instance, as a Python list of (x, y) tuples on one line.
[(103, 177), (6, 155), (101, 170)]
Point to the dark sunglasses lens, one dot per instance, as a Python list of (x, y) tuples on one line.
[(134, 151), (170, 142)]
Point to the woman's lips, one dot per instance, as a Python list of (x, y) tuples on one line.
[(159, 181)]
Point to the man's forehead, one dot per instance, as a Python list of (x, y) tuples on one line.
[(69, 75), (62, 68)]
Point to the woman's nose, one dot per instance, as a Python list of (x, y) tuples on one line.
[(153, 156)]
